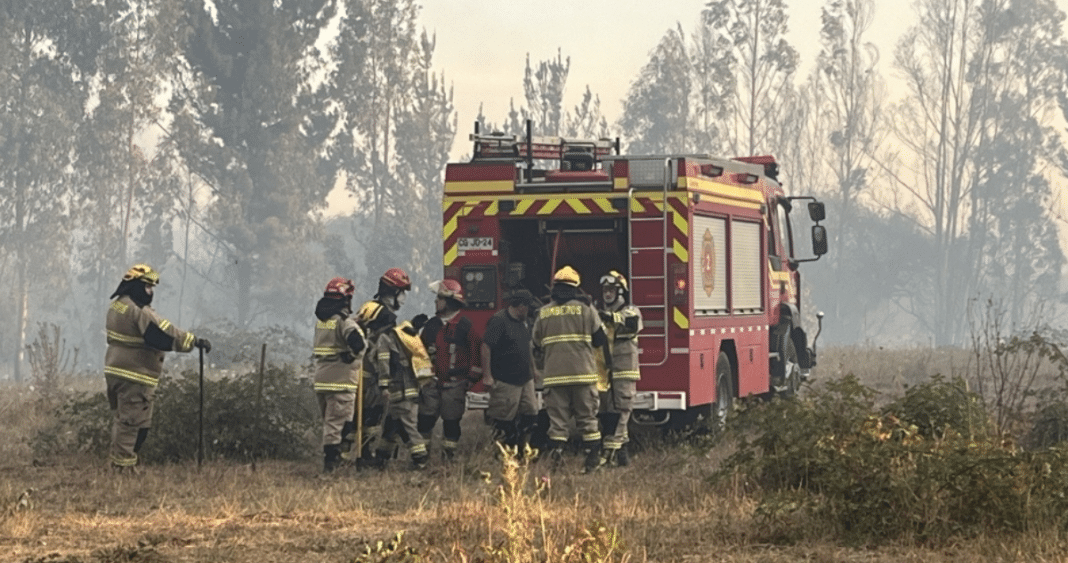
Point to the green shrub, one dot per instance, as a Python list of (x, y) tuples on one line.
[(1050, 426), (781, 439), (939, 405), (831, 461), (231, 346), (284, 425)]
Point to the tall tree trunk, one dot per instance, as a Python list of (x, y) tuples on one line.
[(244, 290), (21, 314), (185, 250)]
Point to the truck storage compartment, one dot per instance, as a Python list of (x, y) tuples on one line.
[(593, 246)]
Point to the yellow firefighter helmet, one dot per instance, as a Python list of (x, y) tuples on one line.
[(142, 272), (614, 279), (567, 275)]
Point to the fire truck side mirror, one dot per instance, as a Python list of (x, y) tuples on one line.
[(816, 211), (819, 239)]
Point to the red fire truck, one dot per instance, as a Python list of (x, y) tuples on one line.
[(706, 243)]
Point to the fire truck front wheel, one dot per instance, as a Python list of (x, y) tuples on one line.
[(786, 369), (724, 391)]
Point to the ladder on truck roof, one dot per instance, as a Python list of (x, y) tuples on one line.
[(517, 148), (665, 305)]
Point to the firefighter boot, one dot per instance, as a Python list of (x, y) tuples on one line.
[(381, 458), (526, 425), (363, 458), (426, 426), (593, 456), (622, 457), (420, 461), (555, 450), (331, 457), (502, 434), (450, 439), (348, 441), (608, 457)]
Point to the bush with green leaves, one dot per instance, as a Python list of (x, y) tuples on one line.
[(831, 462), (1050, 426), (231, 346), (780, 440), (938, 405), (283, 424)]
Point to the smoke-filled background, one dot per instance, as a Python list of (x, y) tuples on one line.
[(252, 149)]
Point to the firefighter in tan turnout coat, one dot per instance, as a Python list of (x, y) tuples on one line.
[(338, 348), (622, 323), (137, 338), (394, 348), (565, 337)]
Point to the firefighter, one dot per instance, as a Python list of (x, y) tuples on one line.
[(622, 323), (137, 338), (374, 322), (338, 349), (565, 337), (392, 287), (455, 349), (396, 381)]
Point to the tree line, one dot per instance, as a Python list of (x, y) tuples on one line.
[(205, 137), (937, 200)]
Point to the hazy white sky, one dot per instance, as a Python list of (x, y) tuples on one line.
[(482, 45)]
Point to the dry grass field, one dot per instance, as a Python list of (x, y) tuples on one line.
[(661, 508)]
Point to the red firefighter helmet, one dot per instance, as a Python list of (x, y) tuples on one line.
[(449, 289), (340, 286), (398, 278)]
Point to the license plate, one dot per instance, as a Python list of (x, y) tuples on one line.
[(475, 243)]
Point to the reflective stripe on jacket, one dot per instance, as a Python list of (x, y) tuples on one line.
[(128, 356), (331, 349), (562, 337)]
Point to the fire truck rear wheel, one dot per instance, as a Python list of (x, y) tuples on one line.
[(724, 390)]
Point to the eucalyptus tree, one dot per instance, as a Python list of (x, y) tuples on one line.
[(543, 89), (763, 63), (586, 120), (656, 112), (425, 132), (126, 179), (713, 83), (398, 123), (47, 54), (845, 95), (982, 84), (252, 119)]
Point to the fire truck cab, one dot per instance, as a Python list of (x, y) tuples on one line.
[(706, 243)]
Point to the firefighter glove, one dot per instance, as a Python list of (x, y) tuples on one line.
[(419, 320), (203, 344)]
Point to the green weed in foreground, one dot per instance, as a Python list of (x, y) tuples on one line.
[(831, 461)]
